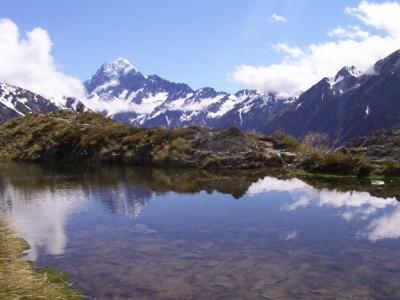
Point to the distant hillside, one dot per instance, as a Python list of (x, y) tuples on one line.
[(383, 144)]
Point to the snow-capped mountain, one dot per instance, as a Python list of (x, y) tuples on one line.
[(17, 102), (149, 101), (350, 104)]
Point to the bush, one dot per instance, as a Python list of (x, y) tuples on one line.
[(392, 169), (336, 163), (283, 141)]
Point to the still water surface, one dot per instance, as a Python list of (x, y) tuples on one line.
[(131, 233)]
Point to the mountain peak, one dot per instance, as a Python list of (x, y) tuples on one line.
[(119, 65), (346, 72)]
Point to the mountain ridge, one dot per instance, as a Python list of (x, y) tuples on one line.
[(17, 102)]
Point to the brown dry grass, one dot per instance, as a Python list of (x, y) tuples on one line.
[(18, 279)]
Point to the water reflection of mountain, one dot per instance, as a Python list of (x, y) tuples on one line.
[(124, 199)]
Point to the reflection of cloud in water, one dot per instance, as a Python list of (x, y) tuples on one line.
[(40, 217), (289, 235), (268, 184), (387, 226), (356, 205)]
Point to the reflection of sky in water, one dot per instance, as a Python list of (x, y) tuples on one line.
[(124, 239), (42, 215), (354, 205)]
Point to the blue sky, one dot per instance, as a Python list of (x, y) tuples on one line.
[(197, 42)]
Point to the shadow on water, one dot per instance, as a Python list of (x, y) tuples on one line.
[(145, 233)]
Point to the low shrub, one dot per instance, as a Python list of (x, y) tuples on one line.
[(336, 163), (392, 169), (283, 141)]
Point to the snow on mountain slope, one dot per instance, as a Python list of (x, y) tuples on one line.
[(125, 94), (349, 105), (16, 102)]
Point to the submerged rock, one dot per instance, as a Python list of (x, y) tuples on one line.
[(143, 229)]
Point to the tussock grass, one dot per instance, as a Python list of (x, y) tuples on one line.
[(18, 279), (89, 137)]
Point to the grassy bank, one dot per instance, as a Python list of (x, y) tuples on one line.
[(18, 279), (343, 162), (89, 137)]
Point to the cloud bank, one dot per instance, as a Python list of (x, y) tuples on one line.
[(26, 61), (349, 45)]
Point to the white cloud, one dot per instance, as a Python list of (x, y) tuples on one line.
[(294, 52), (350, 32), (350, 45), (113, 106), (277, 18), (384, 16), (26, 61)]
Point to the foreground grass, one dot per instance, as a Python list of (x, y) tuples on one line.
[(18, 279)]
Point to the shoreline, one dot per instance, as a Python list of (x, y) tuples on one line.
[(20, 280)]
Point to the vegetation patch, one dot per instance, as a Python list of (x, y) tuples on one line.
[(18, 279), (336, 163), (89, 137)]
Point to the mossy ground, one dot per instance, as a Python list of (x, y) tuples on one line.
[(18, 279)]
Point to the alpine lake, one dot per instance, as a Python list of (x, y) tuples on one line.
[(144, 233)]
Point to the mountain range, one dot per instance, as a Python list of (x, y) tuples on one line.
[(350, 104), (151, 101)]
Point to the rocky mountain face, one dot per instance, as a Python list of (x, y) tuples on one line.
[(151, 101), (351, 104), (17, 102)]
